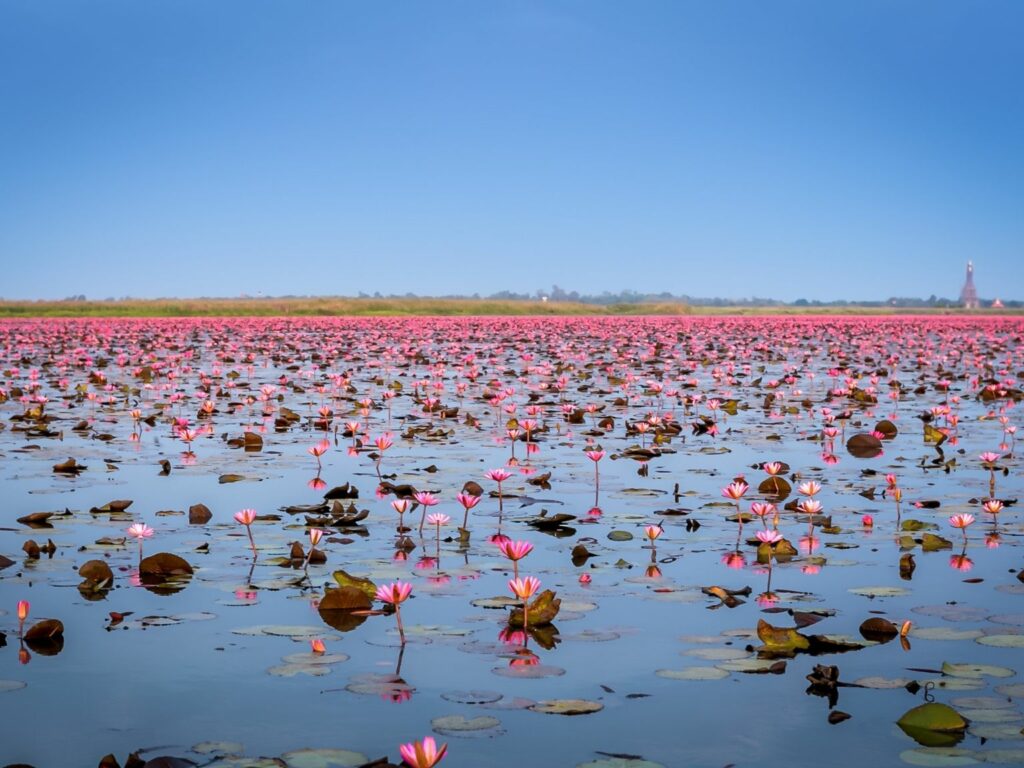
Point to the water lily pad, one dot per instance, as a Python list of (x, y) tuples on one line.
[(528, 671), (458, 725), (981, 702), (1004, 756), (471, 697), (213, 747), (998, 731), (975, 670), (293, 670), (944, 633), (693, 673), (278, 630), (939, 757), (323, 758), (880, 591), (373, 684), (567, 707), (1002, 641), (882, 683), (315, 658), (11, 685), (975, 716), (1011, 689), (954, 683), (717, 654), (750, 666), (620, 762), (500, 602)]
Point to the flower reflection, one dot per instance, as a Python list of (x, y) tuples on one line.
[(735, 560), (961, 563), (767, 599)]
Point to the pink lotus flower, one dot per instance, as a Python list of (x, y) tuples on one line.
[(762, 509), (890, 480), (992, 506), (515, 550), (426, 500), (769, 537), (246, 517), (140, 531), (989, 458), (316, 646), (585, 578), (867, 521), (525, 587), (735, 490), (809, 506), (438, 519), (498, 475), (468, 501), (315, 534), (22, 615), (961, 521), (423, 754), (809, 488), (318, 450), (395, 594), (773, 468), (653, 532)]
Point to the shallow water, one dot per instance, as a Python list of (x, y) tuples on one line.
[(188, 667)]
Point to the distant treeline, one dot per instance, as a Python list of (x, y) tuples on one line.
[(554, 301)]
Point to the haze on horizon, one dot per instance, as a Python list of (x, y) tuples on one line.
[(840, 150)]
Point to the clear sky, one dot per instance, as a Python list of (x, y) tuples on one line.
[(817, 149)]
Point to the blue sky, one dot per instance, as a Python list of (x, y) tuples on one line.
[(784, 149)]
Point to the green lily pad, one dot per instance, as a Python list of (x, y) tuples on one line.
[(1004, 756), (620, 762), (323, 758), (880, 591), (1002, 641), (213, 747), (882, 683), (693, 673), (981, 702), (975, 670), (458, 725), (938, 757), (944, 633), (975, 716), (567, 707), (717, 654), (278, 630), (998, 731)]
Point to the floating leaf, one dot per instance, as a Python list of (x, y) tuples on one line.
[(323, 758), (975, 670), (567, 707), (693, 673)]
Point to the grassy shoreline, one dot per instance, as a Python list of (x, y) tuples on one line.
[(328, 307)]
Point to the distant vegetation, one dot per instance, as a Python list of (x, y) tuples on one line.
[(554, 302)]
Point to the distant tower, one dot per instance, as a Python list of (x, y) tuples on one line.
[(969, 294)]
